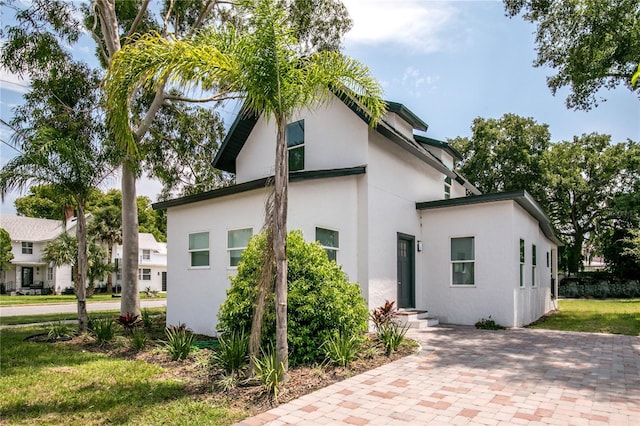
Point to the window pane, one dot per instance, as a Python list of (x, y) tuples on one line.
[(234, 257), (534, 261), (296, 159), (521, 251), (295, 133), (239, 237), (200, 258), (462, 248), (447, 180), (332, 254), (463, 273), (199, 241), (327, 238)]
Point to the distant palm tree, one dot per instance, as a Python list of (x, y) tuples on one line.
[(106, 226), (260, 65)]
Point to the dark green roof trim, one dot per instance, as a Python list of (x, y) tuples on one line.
[(522, 197), (407, 115), (438, 144), (234, 141), (258, 184)]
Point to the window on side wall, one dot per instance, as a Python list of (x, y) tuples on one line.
[(447, 187), (463, 261), (146, 254), (295, 145), (49, 273), (330, 242), (199, 249), (144, 274), (27, 247), (521, 263), (237, 242), (534, 262)]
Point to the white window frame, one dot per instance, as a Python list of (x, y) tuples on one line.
[(142, 275), (146, 254), (534, 263), (301, 146), (196, 250), (454, 262), (242, 248), (335, 250), (49, 273), (447, 187), (522, 251), (27, 247)]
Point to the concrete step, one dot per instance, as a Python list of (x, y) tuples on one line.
[(415, 318), (424, 323)]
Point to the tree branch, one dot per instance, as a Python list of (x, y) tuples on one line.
[(216, 98), (145, 124), (165, 23), (136, 22)]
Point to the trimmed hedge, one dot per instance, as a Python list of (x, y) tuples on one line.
[(599, 286), (321, 301)]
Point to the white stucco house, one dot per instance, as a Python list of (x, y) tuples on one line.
[(386, 203), (152, 263), (29, 273)]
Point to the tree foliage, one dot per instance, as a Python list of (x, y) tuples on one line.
[(505, 154), (6, 256), (593, 44), (321, 300)]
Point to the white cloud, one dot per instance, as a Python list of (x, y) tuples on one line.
[(414, 24)]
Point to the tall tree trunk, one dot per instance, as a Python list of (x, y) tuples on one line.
[(81, 236), (110, 276), (130, 302), (280, 241)]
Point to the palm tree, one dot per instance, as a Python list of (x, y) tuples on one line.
[(106, 225), (260, 65), (59, 140)]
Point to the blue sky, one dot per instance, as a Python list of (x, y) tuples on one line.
[(447, 61)]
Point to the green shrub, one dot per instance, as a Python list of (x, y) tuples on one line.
[(104, 330), (147, 319), (391, 335), (383, 314), (341, 349), (232, 354), (321, 301), (139, 340), (179, 340), (58, 330), (270, 372), (488, 324)]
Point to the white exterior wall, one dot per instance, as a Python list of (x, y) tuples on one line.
[(497, 228), (334, 137), (396, 180), (195, 295)]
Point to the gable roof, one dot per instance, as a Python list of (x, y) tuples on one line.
[(258, 184), (21, 228), (438, 144), (522, 197)]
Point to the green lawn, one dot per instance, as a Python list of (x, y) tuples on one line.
[(6, 300), (30, 319), (51, 384), (613, 316)]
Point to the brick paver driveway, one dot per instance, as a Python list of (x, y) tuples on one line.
[(468, 376)]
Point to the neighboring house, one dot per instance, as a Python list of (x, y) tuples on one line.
[(29, 273), (152, 264), (385, 203)]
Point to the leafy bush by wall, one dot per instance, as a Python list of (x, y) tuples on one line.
[(599, 286), (321, 301)]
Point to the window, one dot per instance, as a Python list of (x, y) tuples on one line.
[(237, 242), (144, 274), (295, 145), (330, 241), (547, 259), (119, 274), (27, 247), (146, 254), (199, 249), (462, 261), (533, 265), (447, 187), (49, 273), (521, 263)]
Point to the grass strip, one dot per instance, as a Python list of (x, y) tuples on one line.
[(6, 300), (31, 319), (611, 316)]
